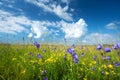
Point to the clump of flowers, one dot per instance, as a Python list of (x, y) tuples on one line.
[(37, 44)]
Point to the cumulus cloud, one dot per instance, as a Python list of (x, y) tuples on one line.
[(38, 29), (15, 24), (57, 9), (97, 38), (74, 30), (12, 24), (111, 25)]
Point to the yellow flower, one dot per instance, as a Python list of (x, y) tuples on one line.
[(23, 71), (13, 58), (93, 62), (113, 72), (83, 63), (49, 60), (81, 69), (106, 73), (110, 66), (104, 66)]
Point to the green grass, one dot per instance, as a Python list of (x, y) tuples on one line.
[(16, 63)]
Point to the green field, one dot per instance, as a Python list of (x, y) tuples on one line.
[(53, 62)]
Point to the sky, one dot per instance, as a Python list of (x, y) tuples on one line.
[(57, 21)]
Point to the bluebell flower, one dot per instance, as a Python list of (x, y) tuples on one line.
[(115, 47), (107, 49), (99, 46), (65, 57), (39, 56), (37, 44), (74, 55), (118, 44), (75, 60), (70, 50), (45, 78), (44, 72), (93, 68), (116, 64)]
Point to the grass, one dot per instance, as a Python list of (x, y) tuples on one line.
[(20, 62)]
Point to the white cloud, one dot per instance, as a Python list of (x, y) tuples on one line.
[(74, 30), (12, 24), (30, 35), (38, 29), (97, 38), (15, 24), (53, 8), (111, 25)]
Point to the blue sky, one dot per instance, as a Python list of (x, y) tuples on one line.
[(52, 21)]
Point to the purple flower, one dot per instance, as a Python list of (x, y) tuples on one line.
[(30, 53), (82, 54), (70, 50), (99, 46), (106, 57), (39, 56), (75, 56), (45, 78), (75, 61), (116, 64), (115, 47), (94, 57), (44, 72), (107, 49), (37, 44), (65, 57), (118, 44), (93, 68)]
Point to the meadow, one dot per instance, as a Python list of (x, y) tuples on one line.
[(58, 62)]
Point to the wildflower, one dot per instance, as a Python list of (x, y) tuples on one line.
[(104, 66), (30, 53), (75, 60), (102, 72), (106, 73), (110, 66), (118, 44), (65, 57), (45, 78), (13, 58), (70, 50), (116, 64), (93, 62), (106, 57), (39, 56), (107, 49), (99, 47), (115, 47), (37, 44), (93, 68), (94, 57), (75, 56), (44, 72), (23, 71), (82, 54)]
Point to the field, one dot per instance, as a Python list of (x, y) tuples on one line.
[(59, 62)]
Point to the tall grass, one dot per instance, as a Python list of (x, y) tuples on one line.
[(21, 62)]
